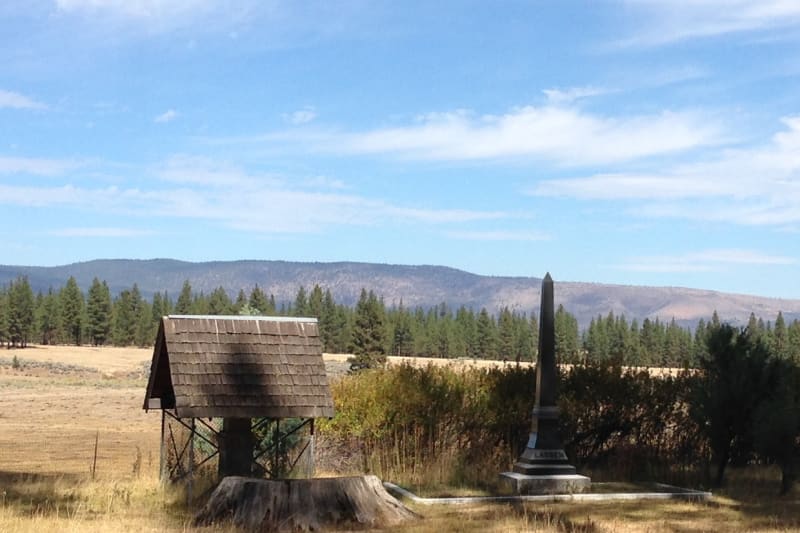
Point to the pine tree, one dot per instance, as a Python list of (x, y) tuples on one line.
[(533, 330), (71, 303), (259, 302), (145, 334), (505, 329), (125, 314), (566, 327), (184, 304), (3, 315), (402, 336), (780, 337), (300, 307), (241, 302), (369, 334), (98, 312), (314, 303), (486, 336), (48, 318), (327, 323), (219, 303), (20, 312)]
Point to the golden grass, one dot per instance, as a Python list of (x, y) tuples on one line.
[(49, 420), (63, 503), (105, 359)]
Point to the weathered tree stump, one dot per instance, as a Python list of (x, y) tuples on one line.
[(302, 504)]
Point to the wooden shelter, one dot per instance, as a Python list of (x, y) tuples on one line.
[(250, 372)]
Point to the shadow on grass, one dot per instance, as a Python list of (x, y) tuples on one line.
[(754, 491), (33, 493)]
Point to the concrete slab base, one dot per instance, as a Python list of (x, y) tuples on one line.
[(515, 483)]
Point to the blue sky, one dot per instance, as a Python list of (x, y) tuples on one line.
[(633, 142)]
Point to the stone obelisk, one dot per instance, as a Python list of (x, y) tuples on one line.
[(543, 468)]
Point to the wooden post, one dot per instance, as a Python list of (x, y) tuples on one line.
[(277, 471), (312, 450), (191, 465), (94, 460), (162, 460)]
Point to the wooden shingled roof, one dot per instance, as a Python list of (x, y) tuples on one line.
[(239, 367)]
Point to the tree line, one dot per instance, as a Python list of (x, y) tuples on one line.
[(370, 330)]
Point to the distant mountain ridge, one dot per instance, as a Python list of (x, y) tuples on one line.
[(420, 285)]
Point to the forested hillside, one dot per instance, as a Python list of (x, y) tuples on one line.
[(371, 329), (423, 286)]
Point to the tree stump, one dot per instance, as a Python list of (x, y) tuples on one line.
[(302, 504)]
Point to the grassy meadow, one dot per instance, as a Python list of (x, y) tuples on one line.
[(56, 402)]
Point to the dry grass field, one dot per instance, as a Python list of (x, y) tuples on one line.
[(60, 399)]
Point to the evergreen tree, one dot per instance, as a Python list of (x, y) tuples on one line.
[(567, 346), (71, 304), (241, 301), (505, 337), (125, 314), (3, 315), (485, 336), (20, 312), (98, 312), (780, 337), (534, 331), (48, 318), (402, 336), (733, 383), (327, 322), (300, 303), (145, 334), (184, 304), (314, 303), (369, 334), (219, 303), (259, 302)]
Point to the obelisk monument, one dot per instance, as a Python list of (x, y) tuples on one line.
[(543, 468)]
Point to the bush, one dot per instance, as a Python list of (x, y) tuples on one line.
[(450, 426)]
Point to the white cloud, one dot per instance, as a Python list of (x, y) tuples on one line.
[(301, 116), (499, 235), (759, 185), (669, 21), (100, 232), (198, 170), (564, 135), (18, 101), (703, 261), (218, 191), (39, 167), (565, 96), (167, 116)]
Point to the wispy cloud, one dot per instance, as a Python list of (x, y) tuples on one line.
[(704, 261), (757, 185), (499, 235), (167, 116), (100, 232), (561, 134), (565, 96), (668, 21), (12, 100), (193, 187), (301, 116), (205, 171), (35, 166)]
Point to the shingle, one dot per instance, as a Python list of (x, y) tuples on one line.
[(245, 367)]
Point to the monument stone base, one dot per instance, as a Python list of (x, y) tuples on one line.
[(516, 483)]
